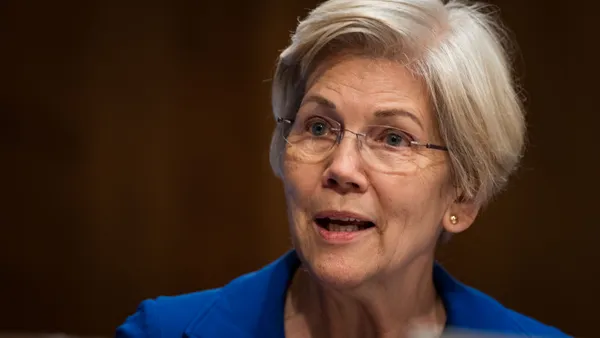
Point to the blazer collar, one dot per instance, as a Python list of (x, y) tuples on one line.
[(254, 303), (250, 304)]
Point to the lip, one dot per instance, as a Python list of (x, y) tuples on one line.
[(337, 237)]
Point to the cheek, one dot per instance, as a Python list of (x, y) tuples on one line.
[(400, 202), (411, 209), (410, 204), (403, 191), (300, 180), (301, 183)]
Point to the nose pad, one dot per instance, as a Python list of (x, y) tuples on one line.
[(359, 142), (342, 135)]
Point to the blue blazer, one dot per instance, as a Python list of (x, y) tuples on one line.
[(252, 306)]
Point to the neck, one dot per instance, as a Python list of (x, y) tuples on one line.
[(388, 307)]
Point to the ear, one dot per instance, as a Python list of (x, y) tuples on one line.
[(460, 215)]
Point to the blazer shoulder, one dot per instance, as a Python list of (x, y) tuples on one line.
[(167, 316), (505, 320), (534, 327)]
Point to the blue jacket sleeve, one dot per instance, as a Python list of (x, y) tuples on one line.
[(136, 325)]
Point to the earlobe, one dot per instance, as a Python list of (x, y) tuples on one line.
[(459, 216)]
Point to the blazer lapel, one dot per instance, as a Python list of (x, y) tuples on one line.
[(249, 306), (217, 323)]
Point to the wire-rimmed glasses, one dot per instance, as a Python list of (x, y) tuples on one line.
[(387, 149)]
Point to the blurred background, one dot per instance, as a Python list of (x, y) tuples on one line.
[(134, 160)]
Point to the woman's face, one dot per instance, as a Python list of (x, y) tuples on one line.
[(350, 222)]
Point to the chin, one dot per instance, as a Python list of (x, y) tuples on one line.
[(338, 270)]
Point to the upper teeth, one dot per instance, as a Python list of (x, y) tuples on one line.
[(346, 219)]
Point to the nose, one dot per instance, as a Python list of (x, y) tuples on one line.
[(344, 172)]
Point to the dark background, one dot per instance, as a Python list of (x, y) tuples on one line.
[(134, 146)]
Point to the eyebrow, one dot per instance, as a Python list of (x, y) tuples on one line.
[(385, 113), (319, 100), (398, 112)]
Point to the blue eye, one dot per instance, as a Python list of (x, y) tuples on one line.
[(394, 140), (318, 128)]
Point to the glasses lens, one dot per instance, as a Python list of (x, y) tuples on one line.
[(310, 138), (388, 149)]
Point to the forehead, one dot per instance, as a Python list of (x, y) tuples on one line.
[(360, 86)]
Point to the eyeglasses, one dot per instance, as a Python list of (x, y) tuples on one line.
[(387, 149)]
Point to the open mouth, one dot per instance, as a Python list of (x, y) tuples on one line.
[(343, 224)]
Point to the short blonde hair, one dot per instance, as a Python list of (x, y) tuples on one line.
[(460, 51)]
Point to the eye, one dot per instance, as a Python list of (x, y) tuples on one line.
[(317, 127), (395, 138)]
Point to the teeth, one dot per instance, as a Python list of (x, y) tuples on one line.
[(343, 228), (346, 219)]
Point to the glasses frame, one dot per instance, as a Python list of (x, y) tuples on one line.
[(341, 132)]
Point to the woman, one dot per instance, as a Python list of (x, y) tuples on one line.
[(397, 120)]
